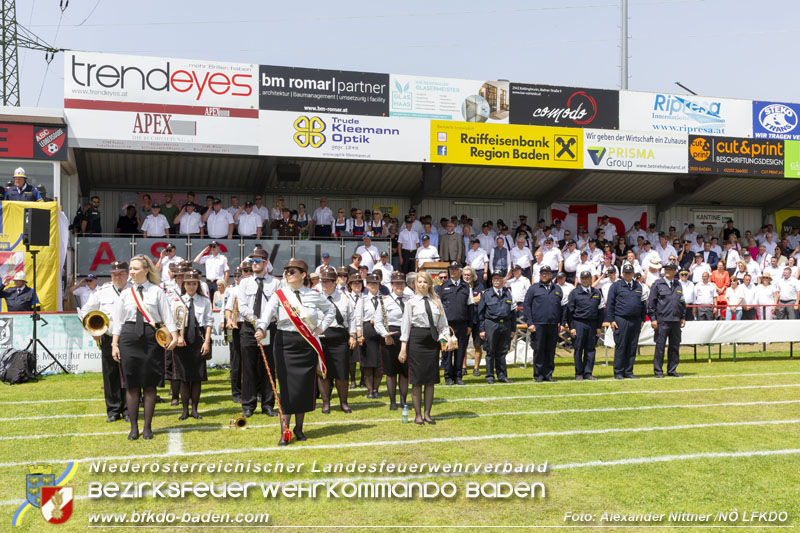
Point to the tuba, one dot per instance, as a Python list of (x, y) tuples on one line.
[(163, 336), (96, 323), (238, 422)]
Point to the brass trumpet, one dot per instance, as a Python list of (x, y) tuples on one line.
[(238, 422), (163, 336), (96, 323), (180, 319)]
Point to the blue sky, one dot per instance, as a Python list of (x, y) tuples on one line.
[(732, 48)]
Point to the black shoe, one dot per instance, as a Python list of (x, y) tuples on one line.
[(476, 373), (551, 378), (459, 381), (539, 379), (299, 435), (632, 377), (619, 377), (421, 423), (326, 411), (174, 402), (659, 375), (147, 436), (346, 410), (448, 382), (197, 416), (674, 374), (375, 395), (504, 380), (578, 378), (237, 399), (393, 406), (269, 411), (112, 418), (247, 413), (133, 436), (283, 443), (490, 381), (369, 395), (589, 378), (184, 416), (126, 417), (432, 422)]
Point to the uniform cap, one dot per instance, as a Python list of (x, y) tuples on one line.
[(517, 267), (20, 173), (155, 205), (545, 268), (671, 266), (408, 219), (191, 276), (425, 238), (372, 278), (259, 253), (561, 274), (91, 277), (214, 244), (325, 254), (119, 266), (217, 201), (455, 265), (627, 269), (498, 274), (398, 277), (248, 203), (341, 271), (586, 274), (384, 254), (327, 274), (354, 278), (20, 276), (296, 263)]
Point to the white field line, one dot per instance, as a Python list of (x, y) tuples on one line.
[(172, 431), (175, 442), (375, 443), (468, 385), (471, 399)]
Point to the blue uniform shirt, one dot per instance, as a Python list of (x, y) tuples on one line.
[(455, 300), (543, 306), (26, 194), (496, 308), (625, 301), (666, 303), (584, 306), (22, 299)]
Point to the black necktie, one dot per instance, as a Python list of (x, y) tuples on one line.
[(431, 323), (339, 318), (630, 286), (375, 302), (259, 295), (297, 293), (399, 301), (191, 324), (139, 315)]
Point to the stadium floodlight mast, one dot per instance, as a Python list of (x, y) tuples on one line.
[(12, 37)]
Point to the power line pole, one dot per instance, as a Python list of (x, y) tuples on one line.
[(624, 47), (13, 37)]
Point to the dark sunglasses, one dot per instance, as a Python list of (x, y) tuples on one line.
[(254, 260), (292, 271)]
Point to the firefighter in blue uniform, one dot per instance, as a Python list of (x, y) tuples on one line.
[(626, 310), (666, 307), (20, 297), (455, 295), (497, 318), (584, 317), (22, 191), (543, 310)]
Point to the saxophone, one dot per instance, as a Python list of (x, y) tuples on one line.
[(180, 319)]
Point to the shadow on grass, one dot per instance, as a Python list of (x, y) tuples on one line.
[(337, 429)]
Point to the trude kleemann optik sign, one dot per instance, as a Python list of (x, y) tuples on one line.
[(469, 143), (634, 151), (732, 156)]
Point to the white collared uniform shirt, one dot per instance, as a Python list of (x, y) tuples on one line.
[(416, 316), (216, 266), (218, 224), (190, 223), (315, 304), (155, 226), (155, 301)]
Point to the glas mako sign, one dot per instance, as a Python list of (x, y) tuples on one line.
[(637, 152)]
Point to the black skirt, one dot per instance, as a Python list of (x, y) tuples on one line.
[(187, 363), (423, 357), (141, 358), (296, 366), (391, 366), (371, 351), (337, 353)]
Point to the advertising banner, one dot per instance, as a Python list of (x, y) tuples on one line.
[(773, 120), (714, 217), (590, 215), (566, 107), (449, 99), (736, 157), (32, 141), (672, 113), (505, 145), (638, 152), (323, 91), (791, 159), (284, 133)]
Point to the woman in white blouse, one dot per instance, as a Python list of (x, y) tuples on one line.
[(423, 334), (189, 357), (369, 306), (765, 297), (143, 309), (734, 295)]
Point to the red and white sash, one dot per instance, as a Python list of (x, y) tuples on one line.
[(303, 324), (142, 308)]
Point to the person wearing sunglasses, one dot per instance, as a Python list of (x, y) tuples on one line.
[(302, 315)]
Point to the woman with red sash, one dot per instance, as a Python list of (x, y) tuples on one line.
[(303, 315)]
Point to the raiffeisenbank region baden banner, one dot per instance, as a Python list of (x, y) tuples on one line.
[(694, 115), (124, 102), (295, 134), (635, 151), (50, 259), (469, 143), (449, 99)]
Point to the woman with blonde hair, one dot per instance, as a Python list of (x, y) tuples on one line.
[(144, 308), (219, 296), (376, 226), (423, 334), (765, 297)]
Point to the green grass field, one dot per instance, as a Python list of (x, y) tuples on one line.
[(632, 446)]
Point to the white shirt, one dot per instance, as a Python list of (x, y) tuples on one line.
[(218, 224), (775, 273), (367, 308), (765, 294), (565, 290), (418, 227), (519, 286), (584, 267), (247, 291), (249, 223), (521, 256), (704, 293), (732, 258), (645, 257), (697, 271), (427, 254), (190, 223), (487, 241), (232, 210), (82, 294), (416, 316), (634, 234), (477, 259), (688, 291), (749, 293), (394, 314), (733, 296), (611, 231), (346, 309), (793, 240), (202, 310), (408, 239), (315, 304), (665, 252), (551, 257), (216, 266), (787, 288), (557, 234), (571, 260), (262, 211), (155, 226), (323, 216), (165, 266), (155, 301), (106, 299), (369, 256), (321, 266), (386, 269)]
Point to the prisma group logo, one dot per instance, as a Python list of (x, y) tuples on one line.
[(309, 132), (48, 494)]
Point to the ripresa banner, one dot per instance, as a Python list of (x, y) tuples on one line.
[(448, 99), (590, 215), (323, 91), (636, 152), (566, 107), (773, 120), (284, 133), (736, 157), (672, 113), (33, 141), (467, 143)]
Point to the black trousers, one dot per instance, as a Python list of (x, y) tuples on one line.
[(235, 348), (255, 382), (585, 345), (322, 231), (544, 350), (112, 381), (626, 341), (667, 331), (497, 344), (212, 288), (454, 360), (408, 260), (749, 314), (478, 282)]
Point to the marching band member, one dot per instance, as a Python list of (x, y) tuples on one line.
[(298, 353), (106, 299), (233, 323), (423, 332), (368, 307), (356, 290), (339, 339), (387, 325), (143, 307)]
